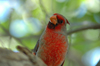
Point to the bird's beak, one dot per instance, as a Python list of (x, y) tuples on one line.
[(53, 19)]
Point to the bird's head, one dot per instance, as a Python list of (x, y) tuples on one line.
[(57, 22)]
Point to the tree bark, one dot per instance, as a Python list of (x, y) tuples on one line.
[(10, 58)]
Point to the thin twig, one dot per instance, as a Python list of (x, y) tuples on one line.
[(7, 32), (94, 26), (10, 19)]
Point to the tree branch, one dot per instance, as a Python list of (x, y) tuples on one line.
[(93, 26), (98, 64), (10, 58)]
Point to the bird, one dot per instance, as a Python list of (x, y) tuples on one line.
[(52, 45)]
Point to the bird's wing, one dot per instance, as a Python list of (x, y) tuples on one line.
[(36, 48), (63, 63)]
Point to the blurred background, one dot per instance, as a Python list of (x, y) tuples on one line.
[(23, 21)]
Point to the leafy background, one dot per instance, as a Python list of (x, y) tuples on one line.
[(23, 21)]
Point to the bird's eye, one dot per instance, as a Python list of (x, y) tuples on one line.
[(61, 21)]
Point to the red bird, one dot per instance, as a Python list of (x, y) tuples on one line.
[(52, 45)]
